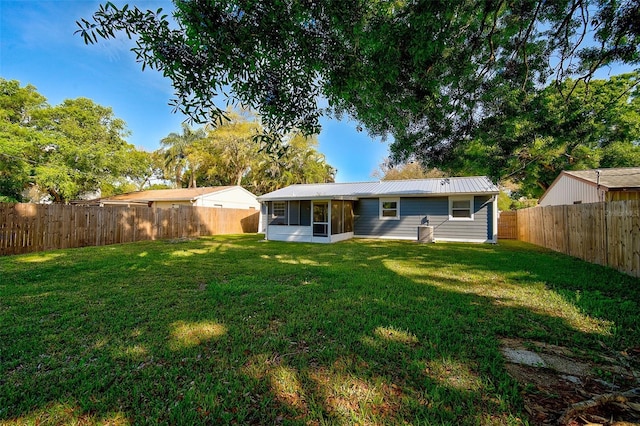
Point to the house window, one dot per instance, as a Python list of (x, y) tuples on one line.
[(461, 208), (279, 208), (295, 213), (278, 213), (389, 208)]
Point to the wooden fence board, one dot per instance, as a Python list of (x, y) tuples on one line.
[(26, 228), (635, 230)]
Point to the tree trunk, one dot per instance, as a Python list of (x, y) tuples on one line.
[(56, 197), (178, 178)]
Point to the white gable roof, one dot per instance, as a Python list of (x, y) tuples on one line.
[(386, 188)]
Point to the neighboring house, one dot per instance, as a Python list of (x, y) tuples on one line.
[(457, 209), (228, 197), (592, 186)]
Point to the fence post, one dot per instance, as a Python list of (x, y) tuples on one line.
[(567, 231), (605, 240)]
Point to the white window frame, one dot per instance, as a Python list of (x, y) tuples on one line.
[(381, 209), (283, 208), (470, 199), (273, 216)]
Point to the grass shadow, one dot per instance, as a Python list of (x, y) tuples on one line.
[(235, 330)]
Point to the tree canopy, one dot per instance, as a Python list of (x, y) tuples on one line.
[(531, 138), (78, 148), (177, 150), (227, 154), (65, 150), (410, 170), (422, 71)]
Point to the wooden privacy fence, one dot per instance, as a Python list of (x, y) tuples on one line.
[(26, 228), (602, 233)]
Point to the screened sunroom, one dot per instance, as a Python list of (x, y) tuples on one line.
[(318, 221)]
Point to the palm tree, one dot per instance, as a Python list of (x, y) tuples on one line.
[(176, 148)]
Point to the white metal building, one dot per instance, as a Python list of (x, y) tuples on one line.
[(228, 197), (592, 186)]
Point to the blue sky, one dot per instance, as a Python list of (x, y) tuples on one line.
[(38, 47)]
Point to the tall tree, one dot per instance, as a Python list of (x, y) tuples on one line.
[(298, 162), (17, 136), (177, 150), (232, 148), (141, 169), (228, 154), (84, 147), (387, 170), (65, 150), (529, 139), (422, 71), (302, 163)]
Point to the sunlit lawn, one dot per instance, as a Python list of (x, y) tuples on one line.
[(238, 330)]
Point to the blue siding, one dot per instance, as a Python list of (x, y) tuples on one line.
[(414, 212)]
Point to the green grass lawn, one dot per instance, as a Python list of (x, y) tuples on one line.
[(236, 330)]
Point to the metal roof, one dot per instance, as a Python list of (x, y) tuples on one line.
[(179, 194), (385, 188), (619, 178)]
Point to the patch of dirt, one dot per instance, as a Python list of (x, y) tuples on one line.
[(561, 388)]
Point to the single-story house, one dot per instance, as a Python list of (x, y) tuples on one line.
[(592, 186), (228, 197), (448, 209)]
